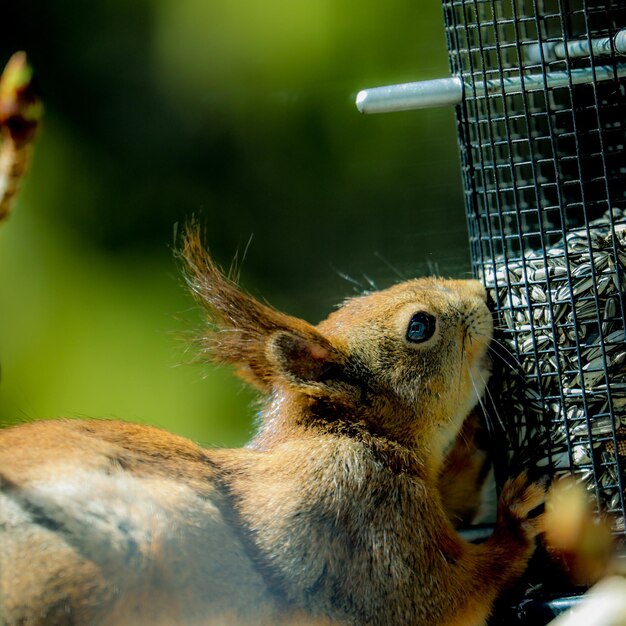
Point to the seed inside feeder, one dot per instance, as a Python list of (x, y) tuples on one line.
[(561, 312)]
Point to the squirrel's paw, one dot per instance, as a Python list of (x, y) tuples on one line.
[(520, 498)]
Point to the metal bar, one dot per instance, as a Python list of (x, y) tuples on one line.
[(449, 91), (425, 94), (603, 46)]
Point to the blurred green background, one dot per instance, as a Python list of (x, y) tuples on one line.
[(240, 112)]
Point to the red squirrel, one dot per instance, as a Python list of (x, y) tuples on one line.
[(339, 511)]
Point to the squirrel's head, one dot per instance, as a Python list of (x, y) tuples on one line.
[(406, 362)]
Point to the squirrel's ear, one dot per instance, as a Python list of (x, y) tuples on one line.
[(304, 359), (263, 344)]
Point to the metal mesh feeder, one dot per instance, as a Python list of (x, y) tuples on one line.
[(545, 180), (540, 93)]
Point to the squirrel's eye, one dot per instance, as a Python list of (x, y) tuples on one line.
[(421, 328)]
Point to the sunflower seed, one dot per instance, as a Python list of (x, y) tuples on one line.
[(615, 502), (570, 340), (580, 455)]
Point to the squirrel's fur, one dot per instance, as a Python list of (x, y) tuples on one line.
[(338, 512)]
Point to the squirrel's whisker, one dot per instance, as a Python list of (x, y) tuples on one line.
[(495, 407)]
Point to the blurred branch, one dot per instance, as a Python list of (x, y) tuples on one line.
[(20, 116)]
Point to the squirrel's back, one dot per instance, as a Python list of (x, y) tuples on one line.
[(131, 523), (137, 526)]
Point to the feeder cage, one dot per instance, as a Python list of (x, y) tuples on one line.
[(542, 128), (540, 94)]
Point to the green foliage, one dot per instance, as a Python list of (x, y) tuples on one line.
[(242, 113)]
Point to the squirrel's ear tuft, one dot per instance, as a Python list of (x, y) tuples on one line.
[(308, 359), (264, 344)]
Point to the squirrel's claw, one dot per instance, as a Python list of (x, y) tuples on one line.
[(518, 500)]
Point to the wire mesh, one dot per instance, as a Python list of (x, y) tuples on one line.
[(542, 132)]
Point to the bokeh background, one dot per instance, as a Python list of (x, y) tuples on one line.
[(239, 112)]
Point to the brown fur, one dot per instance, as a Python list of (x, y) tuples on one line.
[(339, 510)]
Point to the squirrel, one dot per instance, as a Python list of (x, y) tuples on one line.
[(341, 509)]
